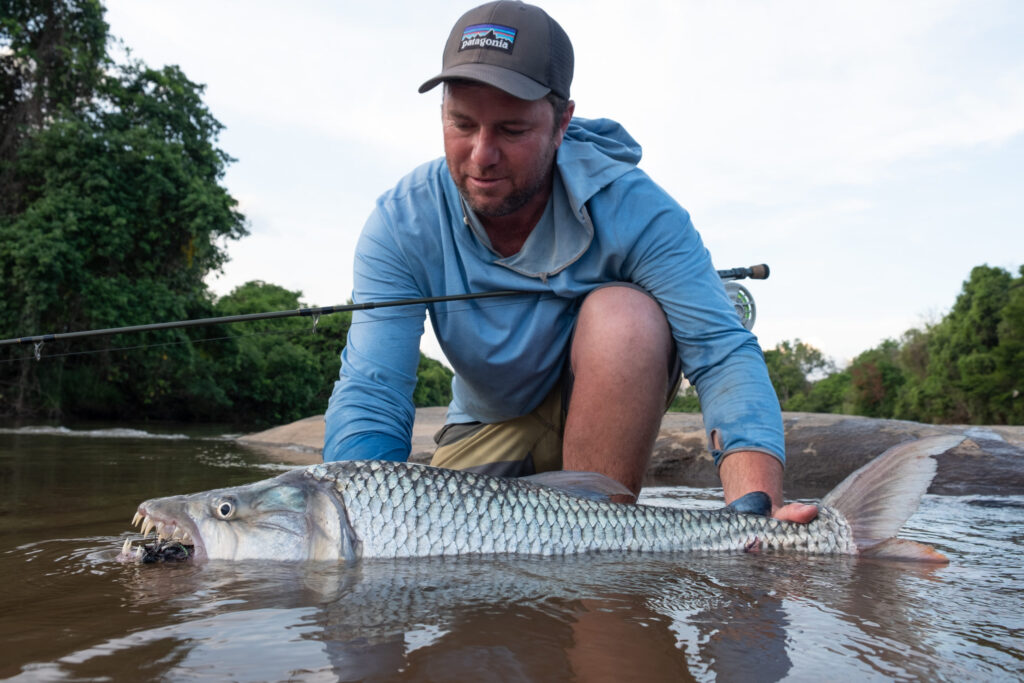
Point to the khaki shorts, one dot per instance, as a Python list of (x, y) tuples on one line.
[(521, 446), (514, 448)]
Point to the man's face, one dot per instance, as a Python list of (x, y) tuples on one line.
[(500, 149)]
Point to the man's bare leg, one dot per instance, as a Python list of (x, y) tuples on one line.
[(620, 360), (620, 356)]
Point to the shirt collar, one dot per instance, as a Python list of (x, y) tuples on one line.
[(559, 239)]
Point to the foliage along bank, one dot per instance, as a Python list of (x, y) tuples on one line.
[(966, 369), (112, 213)]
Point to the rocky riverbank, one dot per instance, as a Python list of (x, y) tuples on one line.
[(821, 450)]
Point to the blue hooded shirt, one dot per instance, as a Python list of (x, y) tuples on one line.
[(606, 222)]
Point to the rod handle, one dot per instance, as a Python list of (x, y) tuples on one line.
[(760, 272)]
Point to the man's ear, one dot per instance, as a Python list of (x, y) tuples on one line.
[(564, 123)]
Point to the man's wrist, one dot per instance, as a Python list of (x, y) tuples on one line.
[(745, 471)]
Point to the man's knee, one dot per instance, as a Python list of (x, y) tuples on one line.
[(622, 319)]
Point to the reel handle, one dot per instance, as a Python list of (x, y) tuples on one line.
[(758, 272)]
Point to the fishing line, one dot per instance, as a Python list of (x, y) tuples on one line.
[(114, 349), (293, 333)]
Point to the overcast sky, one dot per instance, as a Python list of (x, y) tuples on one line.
[(871, 153)]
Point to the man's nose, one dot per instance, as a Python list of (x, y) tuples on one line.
[(485, 148)]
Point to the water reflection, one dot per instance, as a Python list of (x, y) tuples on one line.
[(604, 617)]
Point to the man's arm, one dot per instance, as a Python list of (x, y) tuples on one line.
[(371, 413), (746, 471)]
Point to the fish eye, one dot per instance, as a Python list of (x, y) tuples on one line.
[(224, 509)]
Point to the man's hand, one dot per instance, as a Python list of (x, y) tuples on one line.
[(801, 513), (747, 471)]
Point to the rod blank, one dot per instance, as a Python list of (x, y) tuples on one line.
[(246, 317)]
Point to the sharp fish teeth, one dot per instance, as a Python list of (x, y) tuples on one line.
[(165, 531)]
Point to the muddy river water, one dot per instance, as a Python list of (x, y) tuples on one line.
[(70, 612)]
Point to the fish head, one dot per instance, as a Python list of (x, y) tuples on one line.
[(291, 517)]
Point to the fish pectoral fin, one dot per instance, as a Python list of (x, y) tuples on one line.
[(753, 503), (902, 549), (583, 484)]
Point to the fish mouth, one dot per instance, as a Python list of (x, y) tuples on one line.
[(176, 541)]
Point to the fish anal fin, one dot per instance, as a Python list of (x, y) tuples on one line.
[(583, 484), (904, 550)]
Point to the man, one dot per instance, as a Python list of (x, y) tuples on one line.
[(619, 292)]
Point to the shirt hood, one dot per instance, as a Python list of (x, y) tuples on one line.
[(594, 153)]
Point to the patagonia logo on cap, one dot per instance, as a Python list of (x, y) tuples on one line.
[(488, 36)]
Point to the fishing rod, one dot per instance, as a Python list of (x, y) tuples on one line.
[(759, 272)]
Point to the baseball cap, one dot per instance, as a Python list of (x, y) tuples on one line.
[(512, 46)]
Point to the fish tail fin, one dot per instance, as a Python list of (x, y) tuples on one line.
[(902, 549), (880, 497)]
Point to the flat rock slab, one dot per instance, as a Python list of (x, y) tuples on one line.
[(301, 442), (821, 450)]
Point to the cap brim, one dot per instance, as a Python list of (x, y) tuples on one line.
[(512, 82)]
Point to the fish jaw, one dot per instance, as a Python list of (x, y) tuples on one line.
[(287, 518), (165, 528)]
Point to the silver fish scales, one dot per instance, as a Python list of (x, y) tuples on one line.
[(400, 510)]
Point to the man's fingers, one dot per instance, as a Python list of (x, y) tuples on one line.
[(801, 513)]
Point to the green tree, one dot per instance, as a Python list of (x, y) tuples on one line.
[(796, 369), (791, 365), (876, 379), (279, 370), (52, 56), (112, 216), (112, 213), (686, 401), (1009, 396), (433, 383), (974, 355), (830, 394), (968, 368), (276, 370)]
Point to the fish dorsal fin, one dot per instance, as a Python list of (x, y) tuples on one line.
[(879, 498), (583, 484), (753, 503)]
